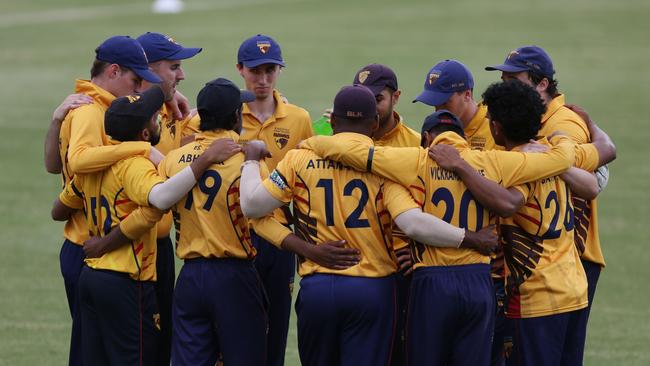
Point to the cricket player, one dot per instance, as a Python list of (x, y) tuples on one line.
[(345, 317), (117, 299), (120, 65), (165, 57), (546, 284), (392, 131), (533, 66), (281, 126), (458, 282)]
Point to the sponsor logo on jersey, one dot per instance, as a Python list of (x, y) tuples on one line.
[(276, 178)]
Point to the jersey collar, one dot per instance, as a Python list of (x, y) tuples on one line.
[(451, 138), (553, 106), (280, 107), (398, 126), (101, 96), (212, 135), (476, 122)]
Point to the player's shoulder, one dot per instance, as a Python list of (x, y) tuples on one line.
[(296, 112), (137, 162)]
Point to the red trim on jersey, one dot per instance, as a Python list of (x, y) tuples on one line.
[(418, 188), (119, 202), (532, 205), (138, 249), (531, 219), (301, 200), (514, 306)]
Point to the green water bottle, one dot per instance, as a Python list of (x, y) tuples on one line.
[(322, 126)]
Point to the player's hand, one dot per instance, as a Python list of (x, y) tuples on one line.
[(94, 247), (404, 261), (446, 156), (72, 101), (179, 105), (579, 111), (484, 241), (534, 147), (155, 156), (328, 114), (221, 150), (256, 150), (333, 255)]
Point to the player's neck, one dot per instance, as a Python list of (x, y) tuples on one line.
[(262, 109), (102, 83), (469, 114), (386, 127)]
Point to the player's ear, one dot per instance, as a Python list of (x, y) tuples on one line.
[(145, 135), (541, 87), (113, 70), (427, 139), (375, 124), (396, 96)]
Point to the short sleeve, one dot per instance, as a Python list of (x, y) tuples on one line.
[(281, 181), (71, 196), (138, 178), (587, 157), (397, 199)]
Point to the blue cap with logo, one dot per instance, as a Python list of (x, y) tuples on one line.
[(158, 47), (259, 50), (443, 80), (441, 117), (127, 52), (527, 58)]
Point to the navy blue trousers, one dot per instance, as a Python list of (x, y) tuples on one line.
[(166, 275), (593, 274), (403, 286), (502, 342), (451, 316), (71, 260), (119, 317), (345, 320), (551, 340), (277, 269), (219, 308)]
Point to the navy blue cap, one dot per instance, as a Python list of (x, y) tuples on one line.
[(220, 97), (126, 51), (442, 116), (355, 102), (259, 50), (158, 47), (443, 80), (135, 109), (527, 58), (376, 77)]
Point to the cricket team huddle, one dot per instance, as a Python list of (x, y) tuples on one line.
[(472, 242)]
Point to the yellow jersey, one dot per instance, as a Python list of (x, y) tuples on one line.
[(109, 197), (477, 131), (544, 275), (560, 118), (84, 127), (208, 220), (441, 192), (334, 202)]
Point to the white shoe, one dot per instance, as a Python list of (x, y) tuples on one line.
[(167, 6)]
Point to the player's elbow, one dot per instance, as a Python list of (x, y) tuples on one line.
[(59, 211), (252, 209), (52, 168)]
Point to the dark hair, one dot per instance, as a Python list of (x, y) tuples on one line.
[(124, 128), (537, 78), (99, 67), (209, 122), (517, 107), (443, 127)]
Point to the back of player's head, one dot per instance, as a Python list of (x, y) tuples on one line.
[(376, 77), (127, 116), (354, 106), (219, 104), (441, 121), (259, 50), (126, 52), (517, 107)]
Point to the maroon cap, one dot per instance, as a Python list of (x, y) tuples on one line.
[(376, 77), (355, 102)]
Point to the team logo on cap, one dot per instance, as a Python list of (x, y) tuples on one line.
[(433, 77), (170, 39), (264, 46), (511, 54), (156, 320), (363, 75), (133, 98)]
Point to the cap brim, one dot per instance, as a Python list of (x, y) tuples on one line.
[(506, 68), (185, 53), (255, 63), (147, 75), (432, 98), (375, 89), (246, 96)]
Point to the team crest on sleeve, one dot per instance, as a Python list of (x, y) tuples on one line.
[(277, 179), (281, 137), (363, 75), (433, 76), (264, 46)]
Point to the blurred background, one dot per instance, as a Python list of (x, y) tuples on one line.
[(600, 49)]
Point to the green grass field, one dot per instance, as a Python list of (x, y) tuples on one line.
[(599, 52)]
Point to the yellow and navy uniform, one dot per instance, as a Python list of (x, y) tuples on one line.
[(400, 136), (544, 275), (440, 192), (560, 118), (208, 220), (334, 202), (477, 131), (84, 127), (109, 197)]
